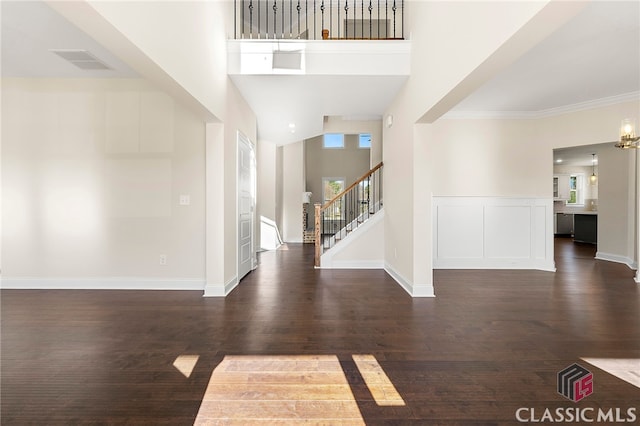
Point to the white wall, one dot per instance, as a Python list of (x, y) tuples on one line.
[(221, 181), (187, 39), (432, 90), (616, 223), (489, 158), (92, 174), (292, 189), (267, 182), (615, 206), (181, 48), (513, 159), (353, 127), (361, 249)]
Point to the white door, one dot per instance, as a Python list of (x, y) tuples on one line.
[(246, 197)]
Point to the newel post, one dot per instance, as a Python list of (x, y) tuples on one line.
[(316, 261)]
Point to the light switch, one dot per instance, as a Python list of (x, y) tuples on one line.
[(185, 200)]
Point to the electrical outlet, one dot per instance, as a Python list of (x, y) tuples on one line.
[(185, 200), (163, 259)]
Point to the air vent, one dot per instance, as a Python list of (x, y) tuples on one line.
[(81, 59)]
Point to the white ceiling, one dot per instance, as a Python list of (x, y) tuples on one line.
[(596, 55), (580, 155), (30, 29), (304, 101)]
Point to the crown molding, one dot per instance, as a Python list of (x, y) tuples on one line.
[(550, 112)]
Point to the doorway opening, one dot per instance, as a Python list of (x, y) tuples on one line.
[(246, 205)]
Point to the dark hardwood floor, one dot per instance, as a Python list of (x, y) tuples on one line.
[(490, 343)]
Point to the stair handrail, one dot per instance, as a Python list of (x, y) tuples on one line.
[(320, 208), (353, 185)]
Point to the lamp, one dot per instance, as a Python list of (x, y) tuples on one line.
[(593, 178), (628, 138)]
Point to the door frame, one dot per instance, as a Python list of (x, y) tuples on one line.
[(241, 139)]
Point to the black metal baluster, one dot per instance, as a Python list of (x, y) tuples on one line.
[(322, 232), (386, 18), (322, 219), (339, 19), (330, 17), (275, 19), (349, 212), (259, 35), (346, 19), (290, 18), (250, 18), (369, 186), (315, 29), (343, 216), (322, 11), (372, 188), (242, 19), (394, 18), (370, 22), (306, 17), (355, 18), (378, 16), (259, 22), (402, 16), (298, 9), (282, 26), (362, 16)]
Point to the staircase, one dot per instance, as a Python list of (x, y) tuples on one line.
[(347, 211)]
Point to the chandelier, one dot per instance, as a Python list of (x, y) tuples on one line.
[(628, 137)]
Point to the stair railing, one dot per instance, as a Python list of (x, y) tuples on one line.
[(347, 210), (319, 19)]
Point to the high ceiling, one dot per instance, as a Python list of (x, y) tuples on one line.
[(594, 56), (31, 29)]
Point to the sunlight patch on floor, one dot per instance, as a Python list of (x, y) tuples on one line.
[(381, 388), (624, 369), (185, 364), (279, 390)]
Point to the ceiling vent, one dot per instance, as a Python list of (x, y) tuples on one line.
[(81, 59)]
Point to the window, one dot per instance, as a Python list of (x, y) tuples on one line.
[(332, 187), (333, 141), (576, 190), (364, 141)]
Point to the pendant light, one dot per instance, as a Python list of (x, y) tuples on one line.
[(593, 178)]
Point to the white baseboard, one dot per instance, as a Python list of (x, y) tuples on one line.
[(413, 290), (102, 283), (355, 264), (617, 259), (487, 263), (211, 290)]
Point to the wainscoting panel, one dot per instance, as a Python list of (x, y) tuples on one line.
[(493, 233), (507, 232), (460, 233)]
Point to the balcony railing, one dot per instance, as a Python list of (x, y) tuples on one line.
[(347, 211), (319, 19)]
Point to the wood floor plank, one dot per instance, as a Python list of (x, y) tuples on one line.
[(489, 343)]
